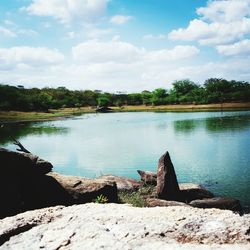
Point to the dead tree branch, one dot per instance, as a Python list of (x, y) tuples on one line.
[(21, 147)]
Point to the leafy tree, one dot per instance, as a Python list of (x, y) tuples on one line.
[(134, 99), (146, 97), (214, 90), (184, 87), (159, 96), (103, 101)]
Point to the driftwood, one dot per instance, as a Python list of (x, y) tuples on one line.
[(21, 147)]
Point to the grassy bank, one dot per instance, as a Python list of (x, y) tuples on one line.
[(16, 116), (187, 107)]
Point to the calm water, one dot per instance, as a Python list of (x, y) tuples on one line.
[(210, 148)]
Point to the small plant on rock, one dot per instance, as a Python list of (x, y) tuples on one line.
[(101, 199)]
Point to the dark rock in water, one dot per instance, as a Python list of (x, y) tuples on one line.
[(83, 190), (152, 202), (167, 185), (148, 177), (123, 183), (190, 192), (218, 202), (103, 109)]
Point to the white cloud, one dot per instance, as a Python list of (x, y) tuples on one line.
[(97, 33), (221, 22), (111, 66), (120, 19), (239, 48), (100, 52), (94, 51), (154, 37), (6, 32), (137, 76), (25, 57), (225, 10), (212, 33), (231, 69), (15, 31), (177, 53), (67, 11)]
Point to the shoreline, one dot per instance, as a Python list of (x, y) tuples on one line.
[(19, 116)]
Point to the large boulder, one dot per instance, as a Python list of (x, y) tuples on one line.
[(115, 226), (191, 191), (167, 185), (148, 177), (218, 202), (188, 191), (18, 179), (153, 202), (22, 163), (123, 183), (83, 190), (51, 190), (26, 184)]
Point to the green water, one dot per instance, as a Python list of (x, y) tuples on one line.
[(211, 148)]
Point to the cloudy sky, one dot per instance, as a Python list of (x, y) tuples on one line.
[(122, 45)]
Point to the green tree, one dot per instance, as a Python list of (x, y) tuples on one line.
[(159, 96), (146, 97), (134, 99), (103, 101)]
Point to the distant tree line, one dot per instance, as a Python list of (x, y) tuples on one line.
[(214, 90)]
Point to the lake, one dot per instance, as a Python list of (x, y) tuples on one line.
[(210, 148)]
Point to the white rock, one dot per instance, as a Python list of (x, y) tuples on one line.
[(114, 226)]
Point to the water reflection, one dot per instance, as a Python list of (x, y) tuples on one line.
[(20, 130), (186, 126), (213, 124), (227, 123)]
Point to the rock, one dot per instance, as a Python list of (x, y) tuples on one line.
[(103, 109), (218, 202), (114, 226), (24, 185), (23, 163), (148, 177), (20, 173), (188, 186), (190, 192), (152, 202), (83, 190), (123, 183), (167, 185)]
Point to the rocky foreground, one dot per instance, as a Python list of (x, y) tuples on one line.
[(114, 226), (171, 219)]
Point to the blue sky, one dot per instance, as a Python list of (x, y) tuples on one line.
[(122, 45)]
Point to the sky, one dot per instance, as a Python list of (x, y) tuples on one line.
[(123, 45)]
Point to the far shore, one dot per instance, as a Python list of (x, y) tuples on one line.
[(18, 116)]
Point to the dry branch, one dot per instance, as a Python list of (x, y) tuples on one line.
[(21, 147)]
